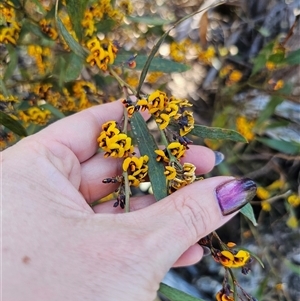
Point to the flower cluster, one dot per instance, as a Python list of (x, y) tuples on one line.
[(103, 9), (166, 110), (102, 54), (231, 259), (6, 138), (48, 28), (7, 103), (10, 29), (177, 150), (40, 54), (179, 175), (35, 115), (136, 168), (115, 143)]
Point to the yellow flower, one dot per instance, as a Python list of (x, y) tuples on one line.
[(292, 222), (279, 85), (270, 66), (136, 168), (228, 259), (47, 28), (163, 120), (225, 70), (114, 143), (178, 50), (262, 193), (152, 77), (143, 103), (245, 127), (171, 109), (278, 184), (222, 296), (235, 76), (265, 206), (170, 172), (294, 200), (186, 123), (157, 101), (206, 56), (161, 155), (177, 149)]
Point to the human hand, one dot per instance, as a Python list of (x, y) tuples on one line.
[(56, 247)]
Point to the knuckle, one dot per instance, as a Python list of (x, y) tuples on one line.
[(196, 217)]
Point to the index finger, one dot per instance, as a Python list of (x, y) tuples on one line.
[(80, 131)]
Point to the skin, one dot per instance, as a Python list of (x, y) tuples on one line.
[(56, 247)]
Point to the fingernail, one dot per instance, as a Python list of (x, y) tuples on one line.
[(206, 251), (234, 194), (219, 157)]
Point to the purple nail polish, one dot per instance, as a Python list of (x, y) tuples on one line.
[(234, 194)]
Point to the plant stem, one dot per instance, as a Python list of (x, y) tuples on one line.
[(121, 82), (127, 192)]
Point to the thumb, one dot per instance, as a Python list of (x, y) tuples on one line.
[(181, 219)]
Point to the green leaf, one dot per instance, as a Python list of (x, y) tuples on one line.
[(105, 26), (74, 67), (149, 20), (76, 10), (72, 43), (293, 58), (147, 145), (13, 56), (16, 3), (174, 294), (157, 64), (3, 89), (260, 61), (29, 27), (40, 7), (247, 211), (57, 113), (12, 124), (286, 147), (268, 110), (293, 267), (60, 70), (276, 58), (217, 133)]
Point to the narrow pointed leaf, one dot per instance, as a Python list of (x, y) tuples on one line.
[(53, 110), (217, 133), (72, 43), (286, 147), (147, 145), (269, 109), (76, 10), (3, 89), (13, 61), (12, 124), (174, 294), (149, 20), (293, 58), (158, 64), (247, 211), (74, 67)]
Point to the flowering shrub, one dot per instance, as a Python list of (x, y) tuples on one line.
[(60, 57)]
